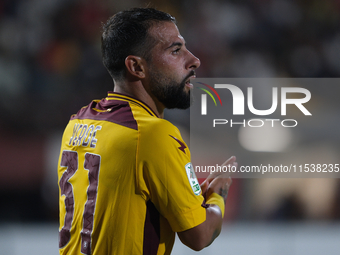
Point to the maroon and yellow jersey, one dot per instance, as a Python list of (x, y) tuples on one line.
[(126, 183)]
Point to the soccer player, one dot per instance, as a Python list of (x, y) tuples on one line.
[(125, 177)]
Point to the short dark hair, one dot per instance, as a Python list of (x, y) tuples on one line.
[(126, 33)]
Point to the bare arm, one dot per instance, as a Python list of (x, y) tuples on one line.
[(204, 234)]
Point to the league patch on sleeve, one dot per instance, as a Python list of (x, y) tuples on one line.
[(193, 179)]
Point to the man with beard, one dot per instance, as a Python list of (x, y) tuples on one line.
[(125, 177)]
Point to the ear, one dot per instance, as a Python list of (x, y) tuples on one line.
[(135, 66)]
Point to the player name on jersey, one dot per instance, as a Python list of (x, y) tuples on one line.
[(84, 135)]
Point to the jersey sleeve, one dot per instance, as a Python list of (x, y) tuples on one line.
[(166, 176)]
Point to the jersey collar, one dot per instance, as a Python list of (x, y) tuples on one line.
[(118, 96)]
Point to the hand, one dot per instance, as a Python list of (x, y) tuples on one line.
[(203, 234), (219, 182)]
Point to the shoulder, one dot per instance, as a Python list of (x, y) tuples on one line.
[(158, 130), (160, 136), (159, 126)]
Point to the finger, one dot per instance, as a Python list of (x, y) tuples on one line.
[(229, 181), (204, 186), (212, 176), (227, 173), (218, 184), (230, 161)]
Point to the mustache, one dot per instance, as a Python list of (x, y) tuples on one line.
[(191, 73)]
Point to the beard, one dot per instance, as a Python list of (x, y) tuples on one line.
[(170, 92)]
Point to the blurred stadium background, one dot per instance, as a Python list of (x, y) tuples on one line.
[(50, 66)]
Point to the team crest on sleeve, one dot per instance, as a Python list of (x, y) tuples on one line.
[(193, 179)]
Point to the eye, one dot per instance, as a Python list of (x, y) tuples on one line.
[(176, 51)]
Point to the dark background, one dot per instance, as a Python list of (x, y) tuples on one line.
[(50, 66)]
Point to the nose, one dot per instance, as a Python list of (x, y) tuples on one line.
[(193, 61)]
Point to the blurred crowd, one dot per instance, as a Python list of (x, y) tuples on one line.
[(50, 49), (50, 62)]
